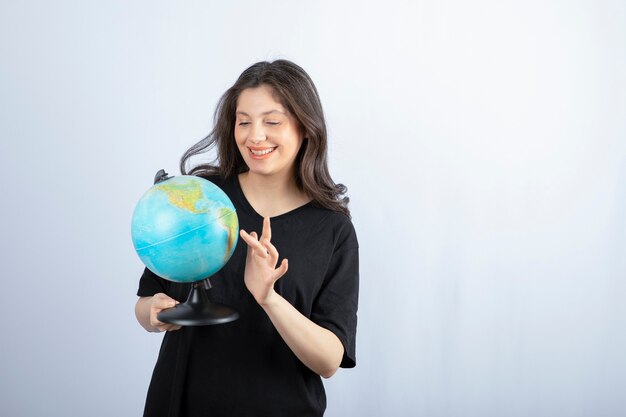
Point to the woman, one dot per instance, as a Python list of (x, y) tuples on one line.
[(295, 286)]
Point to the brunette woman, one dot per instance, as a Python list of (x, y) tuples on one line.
[(294, 274)]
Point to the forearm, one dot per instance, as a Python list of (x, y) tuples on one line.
[(142, 312), (318, 348)]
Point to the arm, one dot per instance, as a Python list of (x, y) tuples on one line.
[(147, 309), (318, 348)]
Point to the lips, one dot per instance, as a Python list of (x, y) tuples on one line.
[(261, 153)]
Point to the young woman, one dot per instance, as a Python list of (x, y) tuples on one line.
[(293, 276)]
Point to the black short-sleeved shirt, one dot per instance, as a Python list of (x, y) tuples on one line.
[(244, 368)]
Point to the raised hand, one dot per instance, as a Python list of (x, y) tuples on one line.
[(261, 272)]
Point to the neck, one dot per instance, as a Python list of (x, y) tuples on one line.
[(271, 195)]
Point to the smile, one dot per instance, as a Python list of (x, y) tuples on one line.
[(261, 152)]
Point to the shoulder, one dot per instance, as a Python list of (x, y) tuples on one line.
[(336, 225)]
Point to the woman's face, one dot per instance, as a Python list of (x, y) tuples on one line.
[(267, 136)]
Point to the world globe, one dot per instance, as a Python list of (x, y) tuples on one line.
[(184, 229)]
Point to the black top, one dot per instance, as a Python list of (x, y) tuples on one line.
[(244, 368)]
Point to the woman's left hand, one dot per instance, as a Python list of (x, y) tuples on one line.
[(261, 272)]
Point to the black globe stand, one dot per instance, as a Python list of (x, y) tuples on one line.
[(198, 310)]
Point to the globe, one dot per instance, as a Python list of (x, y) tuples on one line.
[(184, 229)]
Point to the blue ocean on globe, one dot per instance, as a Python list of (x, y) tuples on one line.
[(184, 229)]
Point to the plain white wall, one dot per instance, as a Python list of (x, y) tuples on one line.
[(483, 144)]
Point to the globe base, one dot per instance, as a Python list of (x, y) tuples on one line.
[(198, 310)]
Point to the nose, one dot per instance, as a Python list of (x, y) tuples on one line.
[(257, 133)]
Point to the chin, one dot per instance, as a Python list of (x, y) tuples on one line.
[(259, 170)]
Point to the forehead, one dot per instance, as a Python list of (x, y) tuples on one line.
[(259, 100)]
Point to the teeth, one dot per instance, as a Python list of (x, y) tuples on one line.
[(263, 152)]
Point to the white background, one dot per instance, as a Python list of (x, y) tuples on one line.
[(483, 144)]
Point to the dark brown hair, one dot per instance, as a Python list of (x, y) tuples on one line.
[(295, 90)]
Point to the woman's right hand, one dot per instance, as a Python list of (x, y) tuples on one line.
[(148, 308)]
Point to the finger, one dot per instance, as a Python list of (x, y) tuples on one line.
[(154, 313), (267, 230), (243, 234), (156, 322), (282, 269), (162, 326), (165, 327), (163, 304), (250, 239), (272, 251), (253, 244), (251, 235), (162, 301)]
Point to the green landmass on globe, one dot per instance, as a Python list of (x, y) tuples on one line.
[(186, 195), (185, 228)]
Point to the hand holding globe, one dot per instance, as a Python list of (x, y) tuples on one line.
[(156, 304)]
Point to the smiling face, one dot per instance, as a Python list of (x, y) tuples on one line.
[(267, 135)]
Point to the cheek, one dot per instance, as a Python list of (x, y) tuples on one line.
[(238, 137), (298, 143), (293, 138)]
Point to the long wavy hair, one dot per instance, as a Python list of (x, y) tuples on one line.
[(295, 90)]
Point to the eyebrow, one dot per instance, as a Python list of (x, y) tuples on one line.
[(262, 114)]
